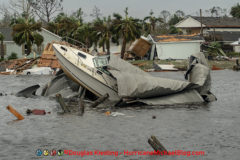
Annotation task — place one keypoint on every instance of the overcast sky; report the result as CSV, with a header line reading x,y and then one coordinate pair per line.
x,y
141,8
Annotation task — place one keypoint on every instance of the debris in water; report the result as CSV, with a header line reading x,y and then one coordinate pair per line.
x,y
114,114
99,100
36,112
155,144
62,103
28,92
15,113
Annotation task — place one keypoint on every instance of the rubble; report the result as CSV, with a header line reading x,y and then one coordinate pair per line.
x,y
28,92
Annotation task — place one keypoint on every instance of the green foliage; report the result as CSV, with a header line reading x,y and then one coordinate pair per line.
x,y
150,22
13,56
127,28
25,32
1,37
174,20
2,49
174,30
103,31
214,48
233,54
235,11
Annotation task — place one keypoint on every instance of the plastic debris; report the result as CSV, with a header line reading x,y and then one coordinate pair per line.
x,y
15,113
36,112
114,114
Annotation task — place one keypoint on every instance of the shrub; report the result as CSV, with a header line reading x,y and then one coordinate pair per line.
x,y
13,56
213,49
233,54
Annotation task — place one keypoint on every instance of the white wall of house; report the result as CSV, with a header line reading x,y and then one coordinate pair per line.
x,y
236,48
12,47
49,37
225,29
177,50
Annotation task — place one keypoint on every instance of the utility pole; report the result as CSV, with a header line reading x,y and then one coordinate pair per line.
x,y
201,31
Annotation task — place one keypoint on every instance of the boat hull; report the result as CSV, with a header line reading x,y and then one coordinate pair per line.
x,y
84,79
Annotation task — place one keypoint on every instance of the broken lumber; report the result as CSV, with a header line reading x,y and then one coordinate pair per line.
x,y
99,100
81,102
155,144
62,103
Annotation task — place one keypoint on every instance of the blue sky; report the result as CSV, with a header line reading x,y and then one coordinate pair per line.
x,y
141,8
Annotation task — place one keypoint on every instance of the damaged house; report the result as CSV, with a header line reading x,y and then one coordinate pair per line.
x,y
11,47
225,30
174,46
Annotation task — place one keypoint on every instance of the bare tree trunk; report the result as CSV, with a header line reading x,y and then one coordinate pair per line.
x,y
2,50
103,47
124,43
108,46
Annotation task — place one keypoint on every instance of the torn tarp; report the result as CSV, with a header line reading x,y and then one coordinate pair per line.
x,y
136,84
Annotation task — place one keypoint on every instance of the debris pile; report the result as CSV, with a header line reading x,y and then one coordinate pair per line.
x,y
17,66
48,58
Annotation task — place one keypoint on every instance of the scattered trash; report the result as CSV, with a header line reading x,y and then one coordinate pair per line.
x,y
62,103
14,112
153,117
28,92
114,114
38,71
155,144
216,68
36,112
237,66
164,67
82,92
99,100
108,113
140,47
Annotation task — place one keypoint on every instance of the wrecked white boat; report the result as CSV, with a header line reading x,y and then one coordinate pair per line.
x,y
87,70
122,80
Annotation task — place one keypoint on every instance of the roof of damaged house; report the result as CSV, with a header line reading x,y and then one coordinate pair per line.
x,y
212,22
224,36
7,33
177,38
219,21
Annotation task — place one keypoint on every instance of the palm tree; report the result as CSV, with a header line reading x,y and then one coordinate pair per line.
x,y
2,46
103,31
84,33
128,29
150,26
25,32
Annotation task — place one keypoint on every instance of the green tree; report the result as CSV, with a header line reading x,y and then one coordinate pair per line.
x,y
25,33
174,20
2,46
235,11
85,34
103,29
79,15
151,22
127,28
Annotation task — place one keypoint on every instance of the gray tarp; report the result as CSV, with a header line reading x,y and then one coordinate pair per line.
x,y
137,84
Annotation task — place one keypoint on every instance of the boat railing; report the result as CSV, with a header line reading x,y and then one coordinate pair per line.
x,y
76,42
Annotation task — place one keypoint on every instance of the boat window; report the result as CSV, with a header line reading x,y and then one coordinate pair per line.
x,y
63,48
100,61
82,55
